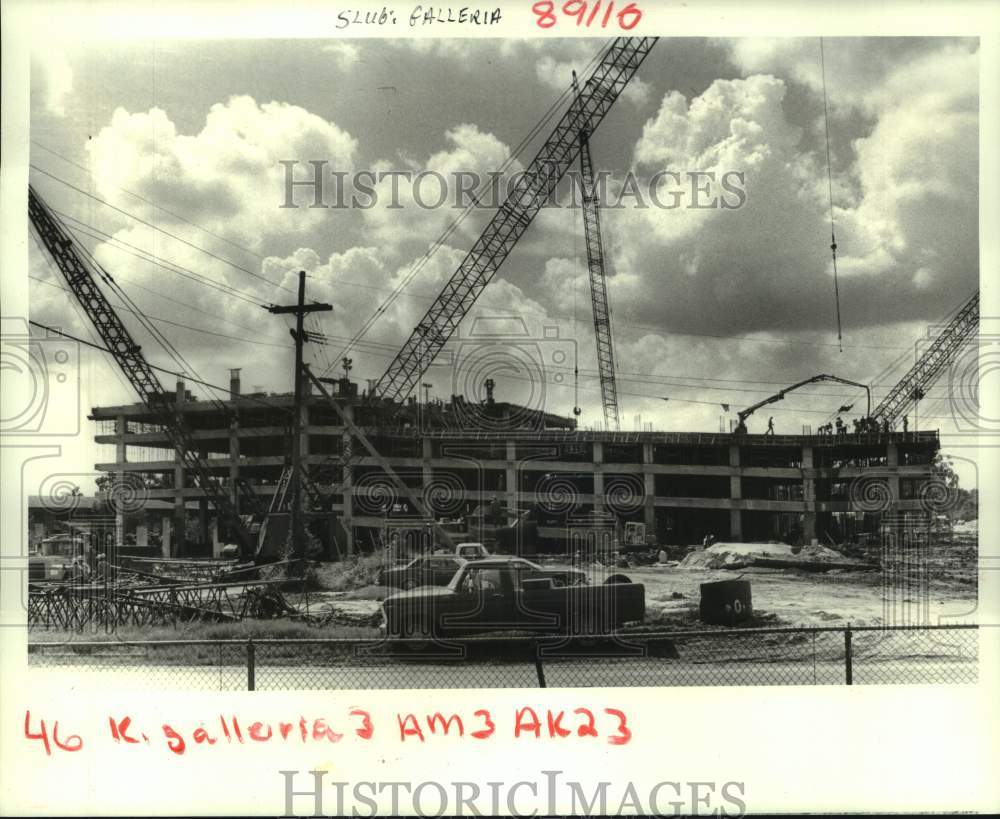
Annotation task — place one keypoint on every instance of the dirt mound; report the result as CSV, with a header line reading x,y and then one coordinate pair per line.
x,y
741,555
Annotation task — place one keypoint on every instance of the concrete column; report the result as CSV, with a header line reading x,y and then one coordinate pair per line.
x,y
649,490
892,459
808,496
510,484
203,533
598,476
177,542
234,461
426,470
735,495
165,535
121,456
347,517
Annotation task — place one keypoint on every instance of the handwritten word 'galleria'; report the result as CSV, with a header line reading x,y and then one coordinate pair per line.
x,y
420,16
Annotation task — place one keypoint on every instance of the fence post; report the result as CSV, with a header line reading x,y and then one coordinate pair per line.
x,y
539,670
251,664
848,662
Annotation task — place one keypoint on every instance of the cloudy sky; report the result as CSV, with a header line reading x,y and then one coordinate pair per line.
x,y
183,141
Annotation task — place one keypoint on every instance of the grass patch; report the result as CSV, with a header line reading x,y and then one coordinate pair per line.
x,y
356,572
243,630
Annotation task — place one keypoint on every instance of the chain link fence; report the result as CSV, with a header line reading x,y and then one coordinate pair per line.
x,y
786,656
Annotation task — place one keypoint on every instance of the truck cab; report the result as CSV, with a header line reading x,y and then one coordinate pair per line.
x,y
471,551
511,593
54,558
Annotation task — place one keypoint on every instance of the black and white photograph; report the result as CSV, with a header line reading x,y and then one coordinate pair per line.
x,y
411,357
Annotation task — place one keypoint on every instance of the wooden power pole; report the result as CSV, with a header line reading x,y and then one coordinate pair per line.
x,y
299,310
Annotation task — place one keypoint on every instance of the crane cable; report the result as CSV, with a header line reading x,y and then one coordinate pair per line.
x,y
577,411
829,179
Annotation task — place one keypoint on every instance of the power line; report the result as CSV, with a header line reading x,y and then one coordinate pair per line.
x,y
157,228
147,256
183,375
149,202
163,320
439,242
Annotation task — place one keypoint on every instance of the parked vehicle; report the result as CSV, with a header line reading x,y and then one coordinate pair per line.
x,y
426,570
59,557
510,593
471,551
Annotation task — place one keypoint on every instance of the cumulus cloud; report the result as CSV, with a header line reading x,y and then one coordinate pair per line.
x,y
227,177
556,66
906,210
425,204
345,54
905,173
55,75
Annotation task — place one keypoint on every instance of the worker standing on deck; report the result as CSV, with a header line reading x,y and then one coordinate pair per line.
x,y
770,426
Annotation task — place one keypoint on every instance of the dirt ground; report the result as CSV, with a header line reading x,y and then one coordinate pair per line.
x,y
348,606
781,597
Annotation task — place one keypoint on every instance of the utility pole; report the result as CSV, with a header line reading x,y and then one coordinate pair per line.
x,y
299,310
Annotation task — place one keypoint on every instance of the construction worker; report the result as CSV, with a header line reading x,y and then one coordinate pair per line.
x,y
906,423
841,426
770,426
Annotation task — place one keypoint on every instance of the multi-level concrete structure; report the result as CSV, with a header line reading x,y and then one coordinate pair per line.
x,y
456,456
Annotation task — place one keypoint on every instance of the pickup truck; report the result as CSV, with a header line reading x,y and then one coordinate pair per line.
x,y
471,551
426,570
513,594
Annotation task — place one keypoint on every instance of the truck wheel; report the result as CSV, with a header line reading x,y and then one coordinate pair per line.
x,y
421,638
618,578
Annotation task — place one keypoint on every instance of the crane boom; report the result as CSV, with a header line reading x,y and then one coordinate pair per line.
x,y
941,352
617,67
128,355
778,396
598,285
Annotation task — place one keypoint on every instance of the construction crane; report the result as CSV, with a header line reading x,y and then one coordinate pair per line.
x,y
618,65
80,277
741,427
598,282
942,351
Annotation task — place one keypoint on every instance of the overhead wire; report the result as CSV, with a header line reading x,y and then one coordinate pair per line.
x,y
229,290
150,202
829,178
94,345
172,322
155,227
113,242
132,307
419,265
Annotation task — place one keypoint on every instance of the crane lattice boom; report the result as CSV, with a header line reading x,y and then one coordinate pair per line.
x,y
598,286
128,355
941,352
618,66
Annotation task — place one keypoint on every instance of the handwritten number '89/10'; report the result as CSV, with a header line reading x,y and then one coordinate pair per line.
x,y
587,14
